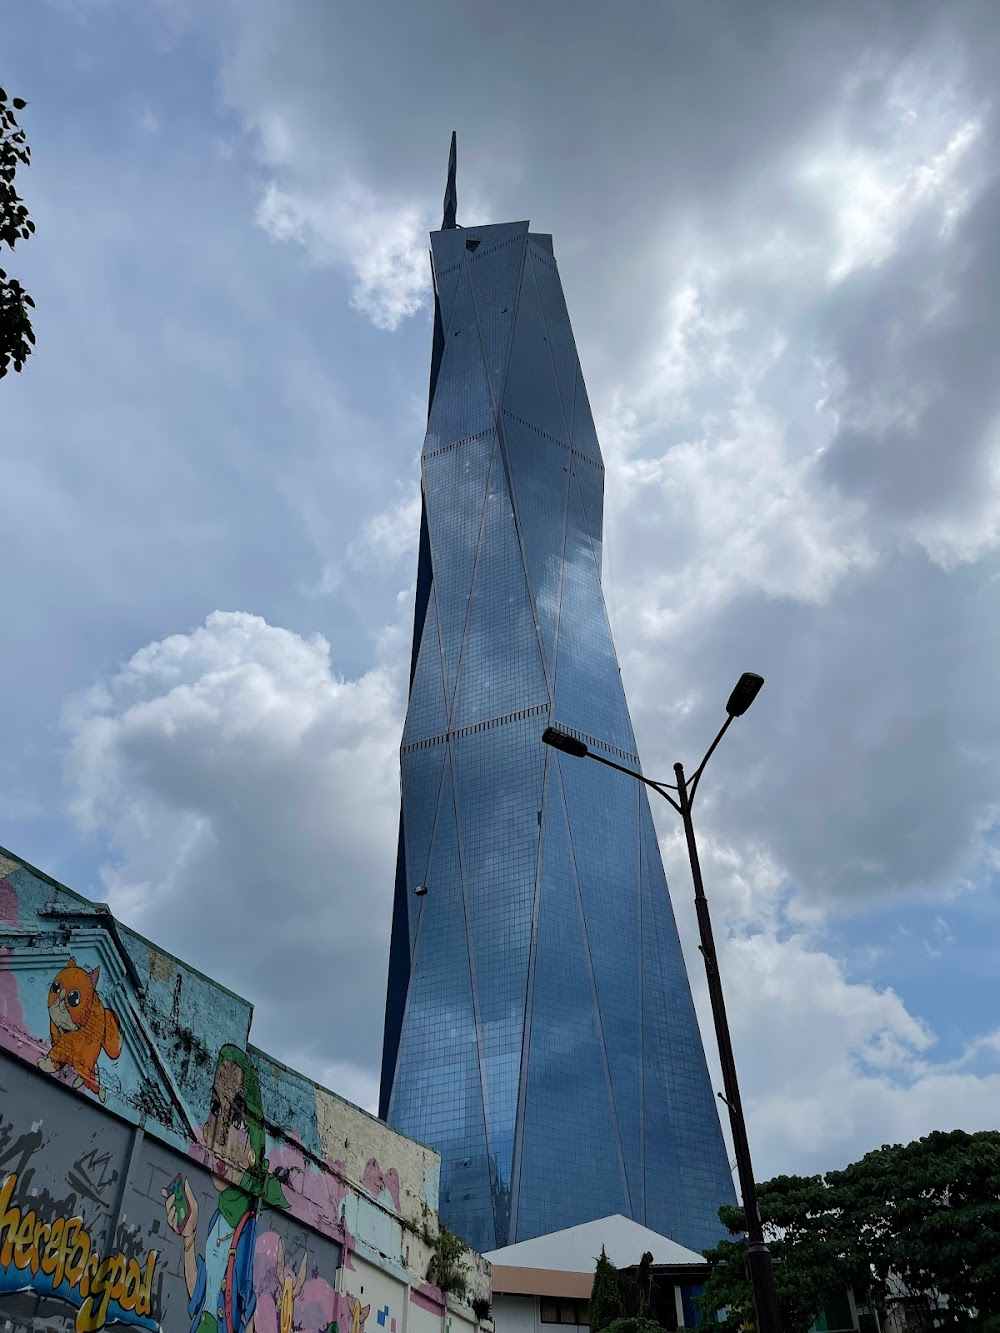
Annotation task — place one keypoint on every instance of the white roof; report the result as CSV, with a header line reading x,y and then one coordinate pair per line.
x,y
576,1249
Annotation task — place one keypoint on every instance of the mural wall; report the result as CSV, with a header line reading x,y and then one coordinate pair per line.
x,y
159,1172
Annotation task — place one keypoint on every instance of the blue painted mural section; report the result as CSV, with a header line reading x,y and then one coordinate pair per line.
x,y
158,1171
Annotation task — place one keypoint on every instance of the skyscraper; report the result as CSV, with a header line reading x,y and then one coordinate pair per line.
x,y
539,1027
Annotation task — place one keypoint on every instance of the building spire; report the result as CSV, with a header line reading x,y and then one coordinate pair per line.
x,y
451,190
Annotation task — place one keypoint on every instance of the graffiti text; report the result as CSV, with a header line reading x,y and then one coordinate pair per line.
x,y
57,1257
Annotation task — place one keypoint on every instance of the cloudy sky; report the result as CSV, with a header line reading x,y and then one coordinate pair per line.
x,y
778,226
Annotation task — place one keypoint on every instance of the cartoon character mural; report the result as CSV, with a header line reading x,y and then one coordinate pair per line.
x,y
220,1280
359,1313
80,1028
294,1294
138,1219
290,1286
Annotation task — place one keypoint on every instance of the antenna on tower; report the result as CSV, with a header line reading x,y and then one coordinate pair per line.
x,y
451,189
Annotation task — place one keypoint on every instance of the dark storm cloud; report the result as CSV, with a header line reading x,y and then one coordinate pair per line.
x,y
614,127
869,762
917,347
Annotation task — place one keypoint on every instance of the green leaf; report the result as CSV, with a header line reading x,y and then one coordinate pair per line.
x,y
19,104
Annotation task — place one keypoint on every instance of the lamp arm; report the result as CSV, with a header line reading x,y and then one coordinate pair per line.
x,y
693,785
660,787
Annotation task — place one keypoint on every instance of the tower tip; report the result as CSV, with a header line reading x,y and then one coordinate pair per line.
x,y
451,189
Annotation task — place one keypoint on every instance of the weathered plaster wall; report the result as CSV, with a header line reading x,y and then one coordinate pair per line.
x,y
223,1170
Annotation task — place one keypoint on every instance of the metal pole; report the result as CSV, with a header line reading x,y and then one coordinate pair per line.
x,y
758,1255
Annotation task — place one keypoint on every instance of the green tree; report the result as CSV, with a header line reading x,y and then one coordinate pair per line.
x,y
605,1296
928,1217
16,335
906,1219
813,1254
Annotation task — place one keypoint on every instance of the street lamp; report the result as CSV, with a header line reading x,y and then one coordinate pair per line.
x,y
758,1255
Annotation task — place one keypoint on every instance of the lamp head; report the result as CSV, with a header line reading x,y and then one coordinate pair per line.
x,y
562,740
744,692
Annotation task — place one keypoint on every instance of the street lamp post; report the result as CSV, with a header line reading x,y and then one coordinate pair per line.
x,y
758,1255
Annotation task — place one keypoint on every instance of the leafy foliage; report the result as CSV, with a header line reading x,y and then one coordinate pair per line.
x,y
813,1254
928,1215
447,1269
632,1323
16,335
606,1304
482,1307
903,1222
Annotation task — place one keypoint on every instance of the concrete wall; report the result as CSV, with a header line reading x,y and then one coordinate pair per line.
x,y
151,1158
516,1314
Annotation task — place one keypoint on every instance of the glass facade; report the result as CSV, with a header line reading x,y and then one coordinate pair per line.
x,y
539,1026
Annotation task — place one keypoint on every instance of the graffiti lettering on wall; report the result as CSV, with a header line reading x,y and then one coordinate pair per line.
x,y
155,1175
56,1257
100,1228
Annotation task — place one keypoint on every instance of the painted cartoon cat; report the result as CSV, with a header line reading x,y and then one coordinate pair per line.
x,y
80,1027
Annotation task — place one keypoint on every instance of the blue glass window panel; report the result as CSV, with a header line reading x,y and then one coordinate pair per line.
x,y
422,771
455,242
437,1092
560,332
495,273
448,281
502,1072
530,390
501,666
462,404
448,258
603,810
584,433
539,470
541,239
589,693
590,479
687,1177
498,776
570,1169
455,485
447,247
426,714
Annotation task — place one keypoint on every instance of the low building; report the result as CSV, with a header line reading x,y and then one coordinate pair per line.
x,y
158,1171
547,1280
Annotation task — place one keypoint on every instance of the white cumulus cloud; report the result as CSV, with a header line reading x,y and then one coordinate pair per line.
x,y
383,244
248,796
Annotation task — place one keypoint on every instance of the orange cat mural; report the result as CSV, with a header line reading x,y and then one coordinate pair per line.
x,y
80,1027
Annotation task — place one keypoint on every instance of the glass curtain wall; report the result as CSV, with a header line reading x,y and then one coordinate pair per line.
x,y
539,1025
